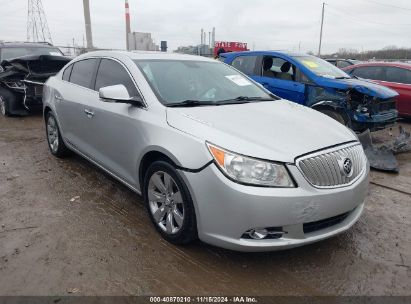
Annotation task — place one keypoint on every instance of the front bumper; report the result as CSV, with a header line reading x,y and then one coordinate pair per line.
x,y
226,210
376,121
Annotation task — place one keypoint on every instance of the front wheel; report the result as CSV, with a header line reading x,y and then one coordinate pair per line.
x,y
335,115
55,142
169,203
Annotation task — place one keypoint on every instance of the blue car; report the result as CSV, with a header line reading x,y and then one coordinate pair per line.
x,y
313,82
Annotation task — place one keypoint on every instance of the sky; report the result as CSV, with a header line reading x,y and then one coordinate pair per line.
x,y
263,24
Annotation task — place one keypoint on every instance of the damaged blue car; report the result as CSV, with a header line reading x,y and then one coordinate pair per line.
x,y
313,82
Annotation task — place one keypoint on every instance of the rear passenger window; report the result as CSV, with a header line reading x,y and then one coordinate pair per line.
x,y
82,72
245,64
394,74
67,72
369,72
112,73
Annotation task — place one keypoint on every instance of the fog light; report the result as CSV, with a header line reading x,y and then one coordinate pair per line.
x,y
258,234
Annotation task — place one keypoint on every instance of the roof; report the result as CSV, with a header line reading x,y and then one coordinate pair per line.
x,y
15,44
136,55
380,63
274,52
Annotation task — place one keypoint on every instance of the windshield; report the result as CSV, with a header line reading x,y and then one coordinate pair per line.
x,y
15,52
213,83
321,67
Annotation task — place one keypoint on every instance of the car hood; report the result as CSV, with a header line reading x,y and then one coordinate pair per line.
x,y
361,85
42,66
278,130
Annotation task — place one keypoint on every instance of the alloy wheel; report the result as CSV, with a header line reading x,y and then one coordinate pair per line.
x,y
166,202
52,134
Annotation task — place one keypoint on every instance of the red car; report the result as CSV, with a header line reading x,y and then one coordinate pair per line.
x,y
396,76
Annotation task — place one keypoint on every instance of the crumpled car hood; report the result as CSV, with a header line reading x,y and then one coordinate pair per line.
x,y
278,130
37,66
361,85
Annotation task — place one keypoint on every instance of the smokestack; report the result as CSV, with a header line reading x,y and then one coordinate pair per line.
x,y
213,38
128,30
87,19
202,36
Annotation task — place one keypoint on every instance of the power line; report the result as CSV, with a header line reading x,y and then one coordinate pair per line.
x,y
389,5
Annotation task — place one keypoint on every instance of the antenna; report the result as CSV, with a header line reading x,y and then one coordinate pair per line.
x,y
37,27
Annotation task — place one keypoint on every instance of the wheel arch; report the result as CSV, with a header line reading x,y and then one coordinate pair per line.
x,y
332,106
148,158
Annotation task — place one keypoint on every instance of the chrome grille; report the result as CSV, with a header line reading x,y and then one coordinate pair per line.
x,y
324,169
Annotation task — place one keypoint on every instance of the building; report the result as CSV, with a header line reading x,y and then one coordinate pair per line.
x,y
201,49
142,42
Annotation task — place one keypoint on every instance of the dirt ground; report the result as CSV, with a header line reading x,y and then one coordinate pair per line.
x,y
68,228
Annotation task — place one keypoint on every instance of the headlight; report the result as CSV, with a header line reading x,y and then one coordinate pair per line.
x,y
249,170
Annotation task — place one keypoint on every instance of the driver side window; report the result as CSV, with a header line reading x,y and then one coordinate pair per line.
x,y
274,67
112,73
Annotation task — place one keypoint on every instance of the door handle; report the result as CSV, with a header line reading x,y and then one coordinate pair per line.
x,y
89,113
58,97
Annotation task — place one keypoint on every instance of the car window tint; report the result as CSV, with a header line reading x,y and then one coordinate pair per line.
x,y
82,72
245,64
369,72
67,72
394,74
112,73
343,64
274,67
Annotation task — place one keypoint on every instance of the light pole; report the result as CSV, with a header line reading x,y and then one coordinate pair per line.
x,y
321,31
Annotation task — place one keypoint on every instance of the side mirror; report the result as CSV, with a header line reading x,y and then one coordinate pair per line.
x,y
118,93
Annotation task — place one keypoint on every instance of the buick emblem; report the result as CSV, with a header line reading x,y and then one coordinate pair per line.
x,y
346,167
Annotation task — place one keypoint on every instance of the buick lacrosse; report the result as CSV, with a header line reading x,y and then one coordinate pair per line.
x,y
215,155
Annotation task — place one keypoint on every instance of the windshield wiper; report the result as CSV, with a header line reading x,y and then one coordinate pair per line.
x,y
243,99
343,77
190,103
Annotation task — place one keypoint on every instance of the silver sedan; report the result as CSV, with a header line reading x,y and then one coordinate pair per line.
x,y
215,155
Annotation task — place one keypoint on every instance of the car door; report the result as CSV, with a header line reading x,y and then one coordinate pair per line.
x,y
72,98
115,128
279,76
399,79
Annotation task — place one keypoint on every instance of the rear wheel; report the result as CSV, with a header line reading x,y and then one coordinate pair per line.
x,y
55,142
4,107
169,203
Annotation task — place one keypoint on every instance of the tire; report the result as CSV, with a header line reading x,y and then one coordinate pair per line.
x,y
170,208
4,107
335,115
54,140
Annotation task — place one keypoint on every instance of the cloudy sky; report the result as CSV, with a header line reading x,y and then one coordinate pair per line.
x,y
263,24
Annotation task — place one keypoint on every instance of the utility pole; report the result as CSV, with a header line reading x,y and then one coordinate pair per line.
x,y
128,29
321,32
87,19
